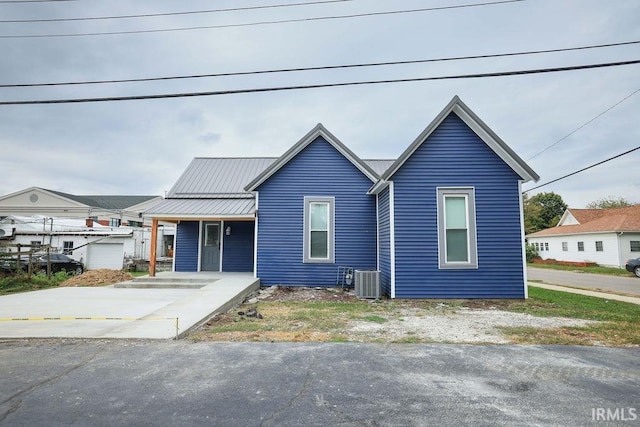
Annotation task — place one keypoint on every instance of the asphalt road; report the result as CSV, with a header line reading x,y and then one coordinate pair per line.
x,y
102,383
628,285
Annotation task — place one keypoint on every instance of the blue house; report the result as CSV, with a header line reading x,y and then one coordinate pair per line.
x,y
444,220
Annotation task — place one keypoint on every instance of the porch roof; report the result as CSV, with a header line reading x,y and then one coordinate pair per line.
x,y
215,208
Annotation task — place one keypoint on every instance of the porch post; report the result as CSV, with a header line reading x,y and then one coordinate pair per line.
x,y
152,249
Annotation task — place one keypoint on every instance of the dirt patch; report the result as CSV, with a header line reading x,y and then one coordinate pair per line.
x,y
300,294
283,314
100,277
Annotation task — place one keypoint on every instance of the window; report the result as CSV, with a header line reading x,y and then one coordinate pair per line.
x,y
599,247
35,245
565,246
546,246
457,247
114,222
67,247
580,246
319,229
135,223
635,245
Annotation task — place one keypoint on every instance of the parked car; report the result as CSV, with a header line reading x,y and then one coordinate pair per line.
x,y
59,262
633,265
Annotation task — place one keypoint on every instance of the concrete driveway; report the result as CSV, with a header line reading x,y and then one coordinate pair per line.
x,y
627,285
177,383
109,312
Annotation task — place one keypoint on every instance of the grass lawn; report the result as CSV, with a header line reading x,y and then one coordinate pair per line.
x,y
597,269
25,283
618,322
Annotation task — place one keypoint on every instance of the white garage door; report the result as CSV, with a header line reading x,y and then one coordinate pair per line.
x,y
105,255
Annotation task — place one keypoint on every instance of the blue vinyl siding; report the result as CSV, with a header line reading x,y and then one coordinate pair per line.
x,y
384,241
454,156
318,170
237,254
186,253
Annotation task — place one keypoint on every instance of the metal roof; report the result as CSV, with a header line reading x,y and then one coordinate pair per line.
x,y
218,177
379,166
105,202
226,207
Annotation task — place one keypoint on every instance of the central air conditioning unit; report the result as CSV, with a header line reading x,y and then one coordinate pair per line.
x,y
367,284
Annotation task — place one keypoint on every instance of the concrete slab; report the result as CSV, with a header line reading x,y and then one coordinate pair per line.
x,y
108,312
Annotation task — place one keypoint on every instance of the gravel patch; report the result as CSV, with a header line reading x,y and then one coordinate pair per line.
x,y
457,326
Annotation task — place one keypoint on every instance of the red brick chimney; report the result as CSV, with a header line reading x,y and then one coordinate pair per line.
x,y
89,222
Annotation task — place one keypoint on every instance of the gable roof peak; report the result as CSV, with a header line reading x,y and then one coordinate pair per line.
x,y
312,135
480,128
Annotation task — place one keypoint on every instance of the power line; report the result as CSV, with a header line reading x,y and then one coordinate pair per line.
x,y
320,85
281,21
190,12
583,125
33,1
326,67
583,169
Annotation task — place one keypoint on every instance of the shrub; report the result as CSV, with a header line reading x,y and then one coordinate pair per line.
x,y
531,253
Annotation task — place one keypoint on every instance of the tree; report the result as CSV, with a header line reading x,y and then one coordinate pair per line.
x,y
542,211
609,202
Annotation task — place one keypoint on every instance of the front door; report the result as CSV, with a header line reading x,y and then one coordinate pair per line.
x,y
211,247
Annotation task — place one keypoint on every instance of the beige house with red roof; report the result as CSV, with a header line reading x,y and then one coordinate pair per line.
x,y
605,236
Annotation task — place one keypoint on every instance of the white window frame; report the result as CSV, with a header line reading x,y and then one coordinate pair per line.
x,y
65,249
599,246
565,246
330,202
472,243
581,246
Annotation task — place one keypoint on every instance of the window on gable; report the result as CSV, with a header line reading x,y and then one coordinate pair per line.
x,y
599,246
319,225
634,245
580,246
457,247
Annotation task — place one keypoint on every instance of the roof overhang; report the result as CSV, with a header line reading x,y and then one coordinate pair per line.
x,y
476,125
226,208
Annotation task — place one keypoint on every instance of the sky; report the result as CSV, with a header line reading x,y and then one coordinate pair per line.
x,y
141,147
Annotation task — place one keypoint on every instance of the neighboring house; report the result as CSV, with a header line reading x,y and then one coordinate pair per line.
x,y
87,241
444,220
112,211
605,236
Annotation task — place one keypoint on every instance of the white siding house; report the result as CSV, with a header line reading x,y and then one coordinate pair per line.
x,y
607,237
95,245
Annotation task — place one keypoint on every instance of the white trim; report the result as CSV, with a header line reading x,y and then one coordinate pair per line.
x,y
200,237
255,241
331,229
472,231
524,251
377,235
392,238
221,240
